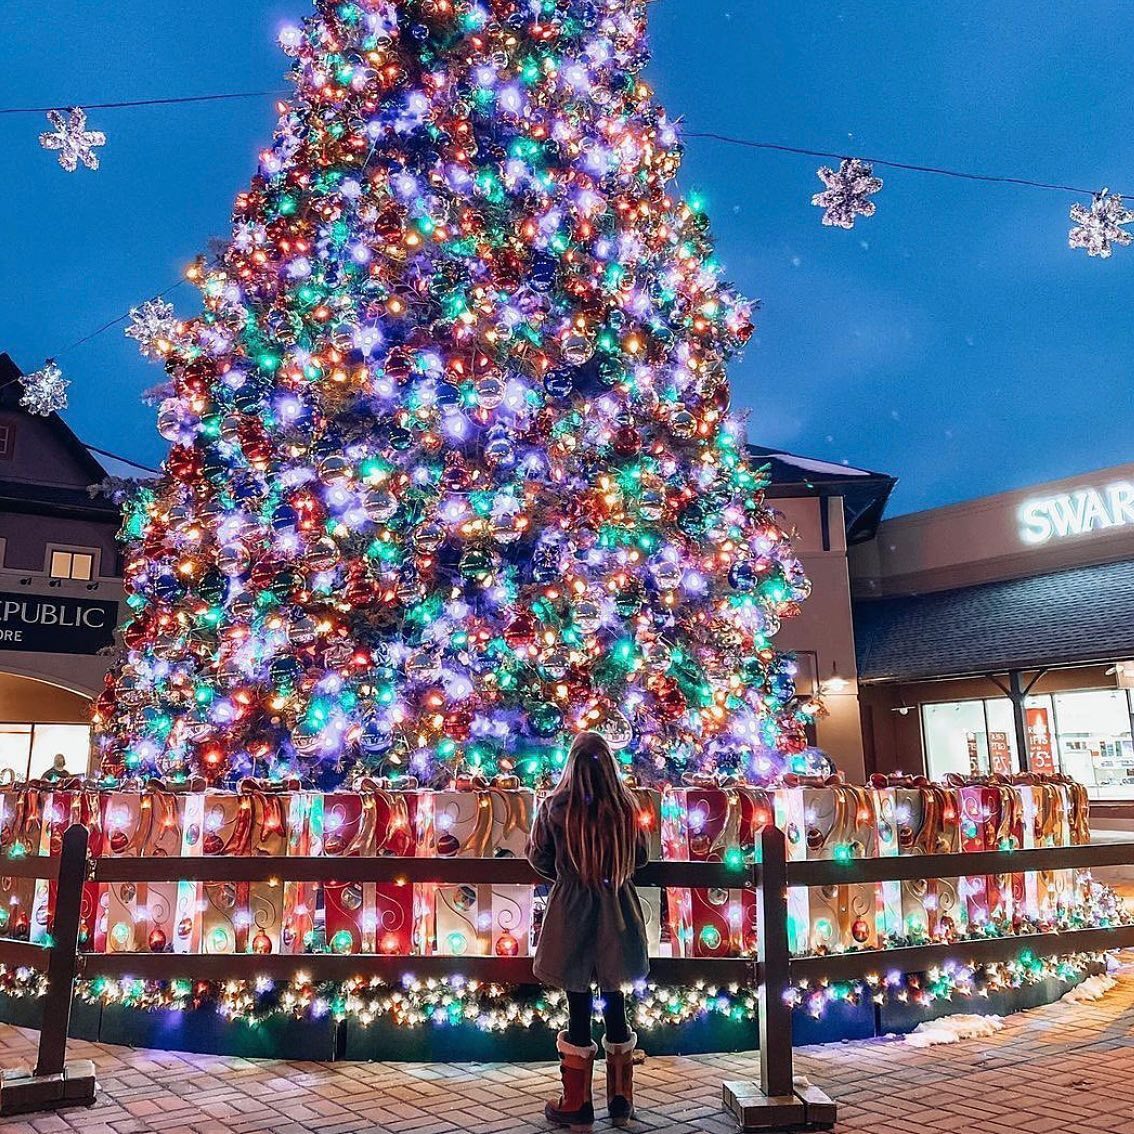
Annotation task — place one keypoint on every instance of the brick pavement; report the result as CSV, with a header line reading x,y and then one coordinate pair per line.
x,y
1066,1068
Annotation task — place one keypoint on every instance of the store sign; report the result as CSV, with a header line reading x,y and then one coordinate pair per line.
x,y
1041,755
56,625
1077,513
1000,754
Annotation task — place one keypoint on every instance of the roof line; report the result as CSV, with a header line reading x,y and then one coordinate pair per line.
x,y
118,457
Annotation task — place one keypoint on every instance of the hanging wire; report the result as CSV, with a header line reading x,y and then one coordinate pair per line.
x,y
727,139
146,102
118,457
753,144
112,323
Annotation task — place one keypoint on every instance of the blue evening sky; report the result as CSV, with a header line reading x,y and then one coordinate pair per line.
x,y
953,340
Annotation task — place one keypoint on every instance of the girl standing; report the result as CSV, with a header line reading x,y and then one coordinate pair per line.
x,y
587,840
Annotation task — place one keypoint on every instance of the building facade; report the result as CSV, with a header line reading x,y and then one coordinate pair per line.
x,y
60,585
997,635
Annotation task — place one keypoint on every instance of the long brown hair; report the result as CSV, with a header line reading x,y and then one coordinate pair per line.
x,y
600,825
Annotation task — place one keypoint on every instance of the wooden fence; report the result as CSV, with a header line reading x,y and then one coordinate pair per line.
x,y
776,1102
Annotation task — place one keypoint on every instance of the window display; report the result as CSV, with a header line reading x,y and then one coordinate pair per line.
x,y
28,751
1083,734
1093,730
956,738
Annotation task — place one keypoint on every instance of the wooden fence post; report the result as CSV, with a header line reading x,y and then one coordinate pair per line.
x,y
57,1083
776,1102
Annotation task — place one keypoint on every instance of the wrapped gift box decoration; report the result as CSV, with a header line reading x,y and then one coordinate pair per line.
x,y
268,837
708,821
1077,804
142,916
716,917
886,846
61,807
349,831
927,815
989,820
226,915
650,898
461,921
649,816
377,820
478,819
152,824
1047,815
301,899
403,827
840,825
790,819
21,828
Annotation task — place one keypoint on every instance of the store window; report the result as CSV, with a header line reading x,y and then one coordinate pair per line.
x,y
955,738
1085,734
970,738
15,749
72,565
28,751
1094,740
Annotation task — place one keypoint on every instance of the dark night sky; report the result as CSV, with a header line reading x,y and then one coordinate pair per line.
x,y
953,340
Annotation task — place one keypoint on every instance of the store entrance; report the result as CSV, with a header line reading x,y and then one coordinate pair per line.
x,y
38,723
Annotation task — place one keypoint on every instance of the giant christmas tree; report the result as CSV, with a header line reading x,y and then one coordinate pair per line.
x,y
453,471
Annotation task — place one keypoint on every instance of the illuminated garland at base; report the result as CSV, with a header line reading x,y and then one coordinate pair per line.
x,y
454,1001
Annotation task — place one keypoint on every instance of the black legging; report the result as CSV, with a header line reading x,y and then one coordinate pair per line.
x,y
582,1006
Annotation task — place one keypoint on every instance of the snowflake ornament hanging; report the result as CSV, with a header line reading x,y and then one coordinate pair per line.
x,y
45,391
848,192
155,328
72,139
1099,227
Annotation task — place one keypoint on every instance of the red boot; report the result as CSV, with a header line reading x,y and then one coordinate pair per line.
x,y
576,1106
620,1079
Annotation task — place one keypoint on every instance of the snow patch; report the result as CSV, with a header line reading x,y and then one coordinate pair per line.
x,y
953,1029
1093,988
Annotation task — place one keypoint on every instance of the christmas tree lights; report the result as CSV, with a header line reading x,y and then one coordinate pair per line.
x,y
452,468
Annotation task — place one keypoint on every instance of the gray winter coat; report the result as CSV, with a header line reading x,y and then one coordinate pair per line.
x,y
589,933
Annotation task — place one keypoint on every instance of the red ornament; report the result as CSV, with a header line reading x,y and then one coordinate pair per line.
x,y
390,945
627,441
860,931
507,945
521,631
157,941
183,463
261,944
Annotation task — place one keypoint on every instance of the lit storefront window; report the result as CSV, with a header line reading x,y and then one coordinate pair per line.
x,y
15,749
29,750
1093,730
1085,735
956,738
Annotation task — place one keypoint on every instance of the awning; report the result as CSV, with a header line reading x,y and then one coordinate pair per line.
x,y
1076,617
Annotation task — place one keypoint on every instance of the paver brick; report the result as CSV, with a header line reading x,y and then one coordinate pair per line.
x,y
1066,1068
